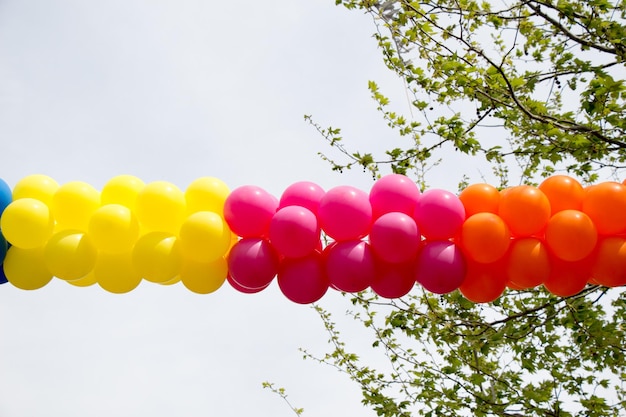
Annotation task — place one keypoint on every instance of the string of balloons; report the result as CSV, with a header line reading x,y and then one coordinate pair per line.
x,y
560,234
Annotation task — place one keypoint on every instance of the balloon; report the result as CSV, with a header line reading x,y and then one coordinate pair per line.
x,y
40,187
157,257
204,237
605,203
73,204
350,265
528,263
480,198
393,192
245,290
25,268
294,231
485,237
439,214
440,267
253,263
248,211
3,277
303,280
609,266
115,273
206,194
122,190
525,209
70,255
394,237
5,195
563,192
304,194
86,281
113,228
204,277
4,246
161,207
393,280
27,223
345,213
567,278
484,283
571,235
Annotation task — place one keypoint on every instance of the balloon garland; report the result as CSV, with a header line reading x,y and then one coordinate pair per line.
x,y
560,235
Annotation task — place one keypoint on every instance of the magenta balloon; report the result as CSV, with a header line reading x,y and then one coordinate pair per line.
x,y
440,267
237,286
305,194
394,192
395,237
303,280
253,262
294,231
439,214
345,213
248,210
393,280
350,265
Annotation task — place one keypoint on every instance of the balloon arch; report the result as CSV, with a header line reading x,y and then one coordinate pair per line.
x,y
560,235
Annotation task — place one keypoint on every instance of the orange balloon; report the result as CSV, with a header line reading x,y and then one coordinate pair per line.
x,y
485,237
480,198
484,283
609,267
563,192
525,209
605,203
567,278
528,263
571,235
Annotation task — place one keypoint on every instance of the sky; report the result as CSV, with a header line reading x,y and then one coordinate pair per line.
x,y
177,90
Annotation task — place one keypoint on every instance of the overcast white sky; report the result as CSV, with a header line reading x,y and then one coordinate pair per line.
x,y
176,90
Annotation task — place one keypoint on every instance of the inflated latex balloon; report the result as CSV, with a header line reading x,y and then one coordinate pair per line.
x,y
303,280
393,280
345,213
245,290
248,210
3,277
567,278
73,204
161,207
204,237
122,190
86,281
115,272
528,263
27,223
304,194
485,237
480,198
253,263
605,203
350,265
440,267
204,277
37,186
393,192
609,265
25,268
484,283
563,192
571,235
6,195
395,237
294,231
4,246
70,255
439,214
157,257
206,194
113,228
525,209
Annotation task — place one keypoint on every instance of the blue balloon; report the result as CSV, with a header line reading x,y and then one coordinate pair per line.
x,y
3,278
6,196
4,247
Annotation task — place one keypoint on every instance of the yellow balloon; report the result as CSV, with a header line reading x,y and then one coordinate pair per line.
x,y
123,190
206,194
27,223
25,268
173,281
70,255
39,187
157,257
161,207
86,281
204,236
115,273
73,204
114,228
204,277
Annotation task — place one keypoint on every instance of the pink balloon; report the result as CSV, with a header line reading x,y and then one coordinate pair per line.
x,y
439,214
305,194
294,231
393,280
248,210
345,213
394,192
303,280
243,289
440,267
349,265
395,237
253,263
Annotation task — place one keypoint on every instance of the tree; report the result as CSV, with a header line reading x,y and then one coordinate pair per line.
x,y
549,76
